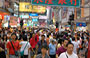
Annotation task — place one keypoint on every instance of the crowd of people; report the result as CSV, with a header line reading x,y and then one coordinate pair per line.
x,y
42,43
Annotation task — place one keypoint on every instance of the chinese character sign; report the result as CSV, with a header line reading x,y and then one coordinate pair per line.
x,y
71,3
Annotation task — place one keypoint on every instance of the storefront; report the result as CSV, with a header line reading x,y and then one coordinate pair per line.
x,y
3,18
13,21
43,21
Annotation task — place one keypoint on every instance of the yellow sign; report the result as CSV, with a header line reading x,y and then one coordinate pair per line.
x,y
39,9
25,7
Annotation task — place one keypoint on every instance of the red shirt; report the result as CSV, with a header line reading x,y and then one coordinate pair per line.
x,y
33,42
11,50
37,37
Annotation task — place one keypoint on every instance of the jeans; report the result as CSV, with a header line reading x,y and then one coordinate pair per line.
x,y
13,56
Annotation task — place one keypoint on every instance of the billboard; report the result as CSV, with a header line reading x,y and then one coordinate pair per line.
x,y
33,14
25,7
67,3
81,24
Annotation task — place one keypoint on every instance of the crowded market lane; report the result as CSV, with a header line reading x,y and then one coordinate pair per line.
x,y
44,28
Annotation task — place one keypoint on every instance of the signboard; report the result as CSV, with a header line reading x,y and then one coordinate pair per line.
x,y
34,20
42,17
81,24
33,14
68,3
25,7
64,13
24,16
39,9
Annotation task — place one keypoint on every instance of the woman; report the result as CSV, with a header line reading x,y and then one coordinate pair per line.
x,y
13,47
25,46
5,42
33,45
2,49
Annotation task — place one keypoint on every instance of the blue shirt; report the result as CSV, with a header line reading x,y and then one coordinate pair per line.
x,y
40,44
52,49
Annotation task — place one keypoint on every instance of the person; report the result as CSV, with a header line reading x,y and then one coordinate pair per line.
x,y
52,49
86,46
33,45
5,42
2,48
37,37
12,46
43,54
69,53
76,46
8,36
47,40
62,48
25,45
40,43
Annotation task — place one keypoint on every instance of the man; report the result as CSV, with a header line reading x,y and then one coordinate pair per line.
x,y
43,54
12,47
76,46
69,53
62,48
52,49
40,43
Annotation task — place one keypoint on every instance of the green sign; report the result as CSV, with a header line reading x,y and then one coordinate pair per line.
x,y
66,3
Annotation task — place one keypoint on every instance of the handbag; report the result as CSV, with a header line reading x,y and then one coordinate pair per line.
x,y
22,52
16,52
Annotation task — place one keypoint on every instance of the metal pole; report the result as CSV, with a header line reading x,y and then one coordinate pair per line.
x,y
89,9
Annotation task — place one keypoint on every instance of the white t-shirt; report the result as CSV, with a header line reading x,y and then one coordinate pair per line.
x,y
63,55
23,43
76,45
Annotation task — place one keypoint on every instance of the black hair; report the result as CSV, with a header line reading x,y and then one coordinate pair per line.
x,y
69,44
43,36
73,38
64,40
47,35
24,37
6,37
15,35
78,38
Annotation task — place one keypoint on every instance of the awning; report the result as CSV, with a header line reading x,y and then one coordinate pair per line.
x,y
2,10
10,10
84,19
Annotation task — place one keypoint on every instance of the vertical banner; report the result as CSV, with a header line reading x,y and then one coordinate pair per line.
x,y
88,49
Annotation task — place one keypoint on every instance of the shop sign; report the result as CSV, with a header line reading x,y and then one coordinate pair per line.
x,y
34,20
24,16
33,14
25,7
34,17
81,24
42,17
6,17
66,3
